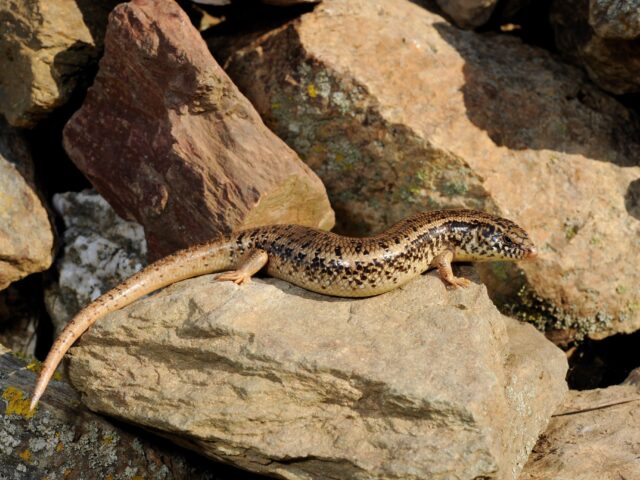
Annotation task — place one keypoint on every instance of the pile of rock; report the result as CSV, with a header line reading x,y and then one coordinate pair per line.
x,y
383,108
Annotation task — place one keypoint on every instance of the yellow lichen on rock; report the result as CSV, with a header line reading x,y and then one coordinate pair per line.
x,y
17,404
25,455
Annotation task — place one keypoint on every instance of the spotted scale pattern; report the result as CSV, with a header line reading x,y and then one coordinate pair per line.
x,y
358,267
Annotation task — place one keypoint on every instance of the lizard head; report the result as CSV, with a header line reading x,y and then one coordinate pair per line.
x,y
489,238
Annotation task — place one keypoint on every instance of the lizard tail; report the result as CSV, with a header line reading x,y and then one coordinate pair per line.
x,y
199,260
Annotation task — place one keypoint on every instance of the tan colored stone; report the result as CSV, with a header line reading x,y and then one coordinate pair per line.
x,y
418,383
594,436
47,50
26,236
422,115
603,37
168,140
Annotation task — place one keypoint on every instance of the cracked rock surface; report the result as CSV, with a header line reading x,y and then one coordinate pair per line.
x,y
418,383
595,435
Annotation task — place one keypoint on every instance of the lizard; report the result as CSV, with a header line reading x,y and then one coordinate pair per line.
x,y
318,261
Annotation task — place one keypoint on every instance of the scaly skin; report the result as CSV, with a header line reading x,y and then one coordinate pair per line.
x,y
319,261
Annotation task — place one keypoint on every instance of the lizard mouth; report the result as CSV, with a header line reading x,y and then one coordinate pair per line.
x,y
531,253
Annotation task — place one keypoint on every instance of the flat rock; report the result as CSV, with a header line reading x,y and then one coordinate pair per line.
x,y
603,37
100,250
48,50
595,435
417,383
168,140
65,440
26,235
422,115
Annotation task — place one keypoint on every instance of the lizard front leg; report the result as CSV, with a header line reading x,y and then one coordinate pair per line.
x,y
248,266
443,263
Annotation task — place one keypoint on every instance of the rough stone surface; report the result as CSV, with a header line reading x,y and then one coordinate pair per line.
x,y
100,251
47,50
615,18
64,440
441,119
169,141
285,382
468,13
602,36
26,235
594,436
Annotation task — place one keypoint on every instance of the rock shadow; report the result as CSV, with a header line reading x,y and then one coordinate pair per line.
x,y
80,59
526,98
632,199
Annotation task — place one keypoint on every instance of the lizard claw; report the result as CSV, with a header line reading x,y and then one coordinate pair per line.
x,y
236,276
456,282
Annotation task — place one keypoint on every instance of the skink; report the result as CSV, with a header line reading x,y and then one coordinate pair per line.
x,y
319,261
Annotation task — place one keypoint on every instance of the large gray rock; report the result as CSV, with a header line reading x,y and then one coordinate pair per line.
x,y
26,235
594,436
419,383
100,250
48,48
423,115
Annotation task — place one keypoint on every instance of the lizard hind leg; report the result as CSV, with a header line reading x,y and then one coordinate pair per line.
x,y
249,265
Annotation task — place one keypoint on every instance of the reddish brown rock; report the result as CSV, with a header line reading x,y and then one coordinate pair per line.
x,y
26,235
168,140
47,50
602,36
422,115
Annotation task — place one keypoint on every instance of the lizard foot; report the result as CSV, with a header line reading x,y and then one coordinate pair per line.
x,y
456,282
236,276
